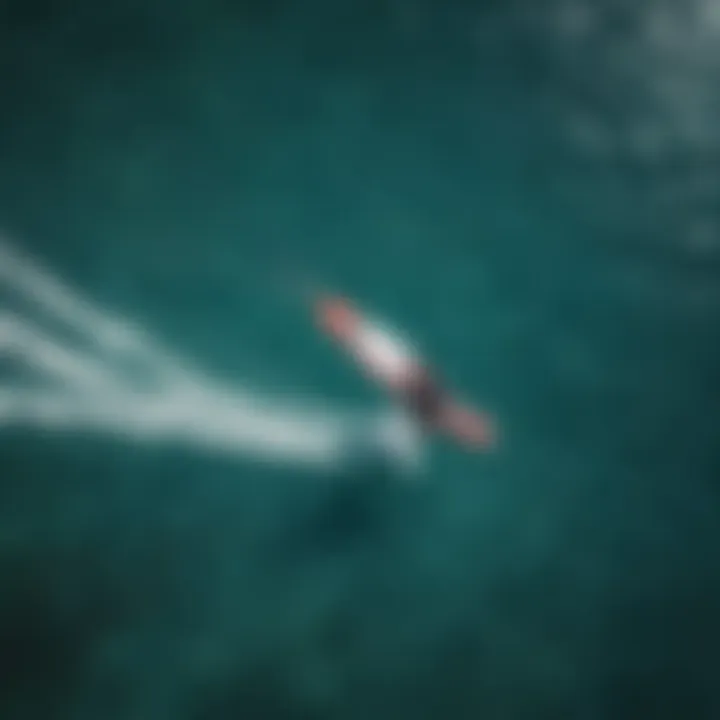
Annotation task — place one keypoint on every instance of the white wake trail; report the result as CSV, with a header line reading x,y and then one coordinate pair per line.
x,y
20,341
168,419
116,337
94,393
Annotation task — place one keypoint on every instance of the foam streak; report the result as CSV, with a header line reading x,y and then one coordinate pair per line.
x,y
92,392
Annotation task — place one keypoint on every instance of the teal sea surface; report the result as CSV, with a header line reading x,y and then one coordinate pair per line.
x,y
532,195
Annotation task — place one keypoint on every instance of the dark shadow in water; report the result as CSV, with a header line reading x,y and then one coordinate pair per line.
x,y
353,512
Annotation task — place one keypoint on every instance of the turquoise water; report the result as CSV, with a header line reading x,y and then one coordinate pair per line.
x,y
174,163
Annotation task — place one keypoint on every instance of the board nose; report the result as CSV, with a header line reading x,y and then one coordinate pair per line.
x,y
336,316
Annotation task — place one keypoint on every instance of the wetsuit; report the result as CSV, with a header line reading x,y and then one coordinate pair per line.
x,y
423,398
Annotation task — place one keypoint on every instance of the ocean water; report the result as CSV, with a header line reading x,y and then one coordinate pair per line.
x,y
530,193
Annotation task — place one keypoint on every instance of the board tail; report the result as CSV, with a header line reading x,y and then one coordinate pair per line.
x,y
471,428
